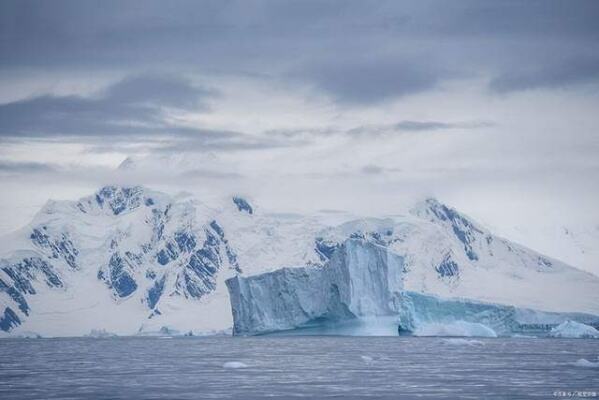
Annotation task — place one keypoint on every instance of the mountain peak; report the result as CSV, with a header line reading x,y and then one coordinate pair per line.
x,y
243,205
463,228
120,198
428,207
432,208
127,164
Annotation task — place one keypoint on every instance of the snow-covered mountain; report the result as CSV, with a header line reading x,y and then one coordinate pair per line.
x,y
131,260
447,254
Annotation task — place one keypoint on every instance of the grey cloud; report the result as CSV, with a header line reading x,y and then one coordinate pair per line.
x,y
233,142
357,52
193,141
18,167
417,126
160,90
518,17
134,106
301,136
555,75
372,169
422,125
209,174
132,113
376,79
435,125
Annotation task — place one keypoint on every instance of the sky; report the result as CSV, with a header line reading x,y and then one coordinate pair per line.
x,y
360,106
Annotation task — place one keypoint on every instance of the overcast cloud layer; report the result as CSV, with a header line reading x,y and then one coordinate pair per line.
x,y
306,105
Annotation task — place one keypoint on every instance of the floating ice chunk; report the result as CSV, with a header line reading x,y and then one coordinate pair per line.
x,y
571,329
234,365
100,333
584,363
21,335
455,328
463,342
367,359
162,332
520,336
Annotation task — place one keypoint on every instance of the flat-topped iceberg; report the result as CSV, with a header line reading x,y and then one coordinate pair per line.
x,y
360,280
362,284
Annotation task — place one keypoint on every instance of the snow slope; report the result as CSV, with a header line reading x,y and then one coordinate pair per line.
x,y
448,255
575,243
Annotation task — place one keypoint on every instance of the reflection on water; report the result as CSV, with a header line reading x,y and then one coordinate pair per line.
x,y
283,366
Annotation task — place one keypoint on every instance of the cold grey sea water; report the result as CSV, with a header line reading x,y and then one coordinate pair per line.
x,y
285,367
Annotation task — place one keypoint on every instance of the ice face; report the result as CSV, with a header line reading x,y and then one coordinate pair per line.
x,y
363,281
285,299
418,310
572,329
367,277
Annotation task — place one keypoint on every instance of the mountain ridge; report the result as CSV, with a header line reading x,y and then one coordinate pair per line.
x,y
129,260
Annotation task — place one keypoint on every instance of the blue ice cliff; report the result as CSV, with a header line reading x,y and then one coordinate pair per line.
x,y
364,282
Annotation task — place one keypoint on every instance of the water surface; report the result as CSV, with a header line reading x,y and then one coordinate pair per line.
x,y
310,367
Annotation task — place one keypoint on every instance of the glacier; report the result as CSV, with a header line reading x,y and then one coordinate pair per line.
x,y
363,283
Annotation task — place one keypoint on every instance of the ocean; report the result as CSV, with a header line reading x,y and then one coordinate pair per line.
x,y
311,367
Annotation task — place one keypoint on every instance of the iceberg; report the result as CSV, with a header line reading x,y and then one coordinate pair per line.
x,y
361,280
234,365
584,363
572,329
100,334
367,359
362,284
